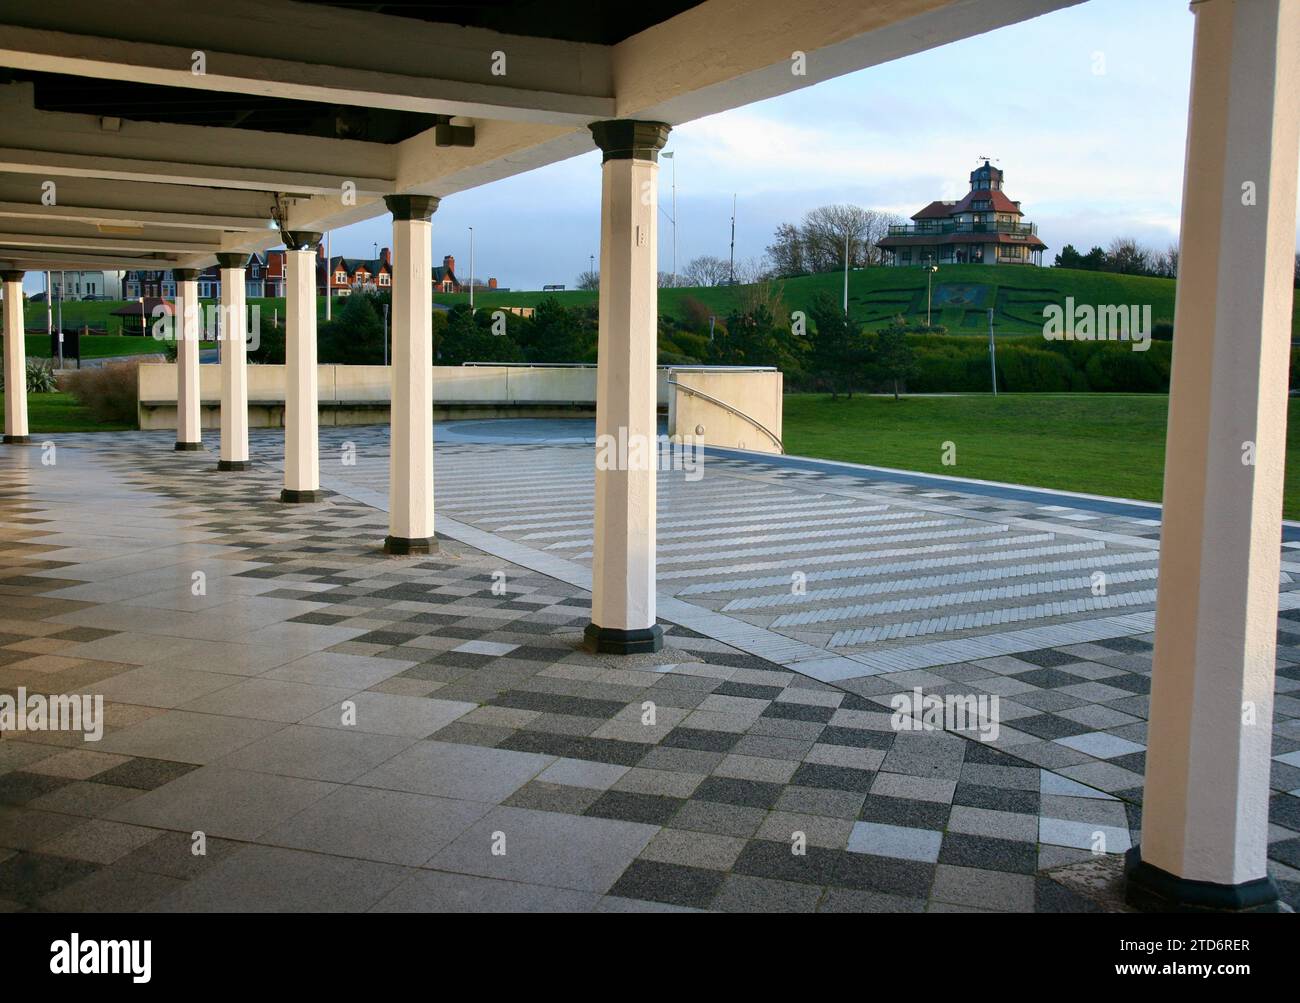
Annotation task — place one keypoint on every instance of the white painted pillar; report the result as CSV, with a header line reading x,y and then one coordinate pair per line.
x,y
189,430
234,364
410,472
1205,812
301,420
623,565
15,359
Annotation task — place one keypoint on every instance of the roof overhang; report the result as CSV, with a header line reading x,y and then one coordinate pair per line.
x,y
85,183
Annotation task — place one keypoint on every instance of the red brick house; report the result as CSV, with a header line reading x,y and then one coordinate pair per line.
x,y
348,275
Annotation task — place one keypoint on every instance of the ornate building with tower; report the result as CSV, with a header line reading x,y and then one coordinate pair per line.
x,y
984,228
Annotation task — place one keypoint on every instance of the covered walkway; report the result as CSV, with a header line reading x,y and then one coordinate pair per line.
x,y
324,116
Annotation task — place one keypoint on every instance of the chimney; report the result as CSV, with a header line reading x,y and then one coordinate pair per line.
x,y
492,283
449,263
320,251
386,256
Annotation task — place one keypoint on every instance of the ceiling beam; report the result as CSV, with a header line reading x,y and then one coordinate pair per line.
x,y
129,217
74,145
40,261
148,245
319,54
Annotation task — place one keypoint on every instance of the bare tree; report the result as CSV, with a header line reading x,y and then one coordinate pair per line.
x,y
589,280
786,252
706,270
820,241
1127,256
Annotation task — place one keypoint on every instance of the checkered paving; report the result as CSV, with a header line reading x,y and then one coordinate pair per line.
x,y
355,731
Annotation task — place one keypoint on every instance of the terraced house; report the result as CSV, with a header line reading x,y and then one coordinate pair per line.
x,y
984,228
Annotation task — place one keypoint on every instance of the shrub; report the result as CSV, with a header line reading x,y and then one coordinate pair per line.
x,y
40,377
1022,369
109,392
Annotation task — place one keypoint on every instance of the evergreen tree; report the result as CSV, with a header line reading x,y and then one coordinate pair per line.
x,y
837,351
893,359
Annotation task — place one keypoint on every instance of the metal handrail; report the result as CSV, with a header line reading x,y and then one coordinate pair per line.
x,y
732,410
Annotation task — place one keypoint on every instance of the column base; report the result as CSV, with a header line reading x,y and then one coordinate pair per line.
x,y
295,495
615,641
234,464
17,440
188,447
403,546
1152,889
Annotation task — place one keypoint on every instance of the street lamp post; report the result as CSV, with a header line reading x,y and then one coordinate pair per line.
x,y
471,269
846,275
929,274
993,355
329,280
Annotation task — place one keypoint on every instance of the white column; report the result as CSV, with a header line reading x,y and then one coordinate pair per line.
x,y
189,431
410,472
301,422
1205,811
15,359
234,365
623,564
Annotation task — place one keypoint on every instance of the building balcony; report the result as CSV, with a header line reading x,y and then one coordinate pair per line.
x,y
939,228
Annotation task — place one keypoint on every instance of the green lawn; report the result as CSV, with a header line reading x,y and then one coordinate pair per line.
x,y
102,346
59,412
1106,444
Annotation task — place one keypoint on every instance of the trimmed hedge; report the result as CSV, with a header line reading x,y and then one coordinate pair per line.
x,y
1034,365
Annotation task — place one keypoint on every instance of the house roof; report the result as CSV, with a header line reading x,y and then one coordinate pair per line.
x,y
935,210
998,201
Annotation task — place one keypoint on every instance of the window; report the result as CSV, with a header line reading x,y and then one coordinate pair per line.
x,y
905,256
384,278
340,276
981,204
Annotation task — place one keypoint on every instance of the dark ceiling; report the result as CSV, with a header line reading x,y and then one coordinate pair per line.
x,y
187,106
605,22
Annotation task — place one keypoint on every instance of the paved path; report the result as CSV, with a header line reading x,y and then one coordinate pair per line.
x,y
475,712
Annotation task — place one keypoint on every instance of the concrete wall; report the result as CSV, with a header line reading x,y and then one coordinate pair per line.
x,y
358,395
753,394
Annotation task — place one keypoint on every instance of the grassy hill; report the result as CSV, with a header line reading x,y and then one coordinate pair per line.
x,y
962,295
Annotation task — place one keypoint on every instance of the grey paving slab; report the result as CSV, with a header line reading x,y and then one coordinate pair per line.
x,y
274,879
565,851
187,737
452,770
218,801
390,826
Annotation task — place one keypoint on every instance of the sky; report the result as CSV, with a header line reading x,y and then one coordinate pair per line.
x,y
1085,109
